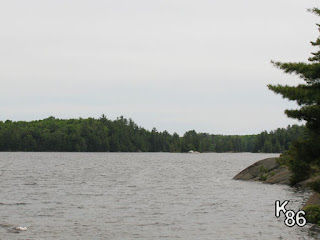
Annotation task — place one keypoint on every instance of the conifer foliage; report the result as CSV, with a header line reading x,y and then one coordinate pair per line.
x,y
124,135
304,156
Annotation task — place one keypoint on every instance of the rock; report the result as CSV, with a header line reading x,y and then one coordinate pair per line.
x,y
12,229
21,228
270,171
256,170
267,170
314,199
191,151
281,176
307,182
316,229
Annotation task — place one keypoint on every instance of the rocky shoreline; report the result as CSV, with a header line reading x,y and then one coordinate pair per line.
x,y
271,172
267,170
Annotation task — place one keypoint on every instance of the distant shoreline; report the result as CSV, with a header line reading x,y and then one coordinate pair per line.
x,y
124,135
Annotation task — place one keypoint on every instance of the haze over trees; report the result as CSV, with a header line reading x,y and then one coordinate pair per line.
x,y
124,135
304,155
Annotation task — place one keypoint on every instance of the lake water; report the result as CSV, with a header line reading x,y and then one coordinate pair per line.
x,y
140,196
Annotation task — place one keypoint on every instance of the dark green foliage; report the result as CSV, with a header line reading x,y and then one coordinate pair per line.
x,y
313,214
263,173
278,140
315,185
122,135
304,155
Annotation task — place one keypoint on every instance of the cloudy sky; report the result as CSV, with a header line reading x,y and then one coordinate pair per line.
x,y
175,65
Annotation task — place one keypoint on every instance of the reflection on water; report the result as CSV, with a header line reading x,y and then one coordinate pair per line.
x,y
140,196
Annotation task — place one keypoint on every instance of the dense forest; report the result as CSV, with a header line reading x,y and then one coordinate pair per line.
x,y
123,135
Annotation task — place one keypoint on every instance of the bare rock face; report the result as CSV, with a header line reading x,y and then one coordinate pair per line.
x,y
308,181
281,176
267,170
314,199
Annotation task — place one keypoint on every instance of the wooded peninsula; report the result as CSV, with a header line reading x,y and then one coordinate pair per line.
x,y
124,135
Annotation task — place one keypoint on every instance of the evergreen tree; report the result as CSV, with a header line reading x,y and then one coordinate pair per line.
x,y
122,135
304,153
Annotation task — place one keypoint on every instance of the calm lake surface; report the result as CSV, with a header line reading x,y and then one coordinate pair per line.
x,y
140,196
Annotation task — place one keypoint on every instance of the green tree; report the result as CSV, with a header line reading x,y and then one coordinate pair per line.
x,y
304,153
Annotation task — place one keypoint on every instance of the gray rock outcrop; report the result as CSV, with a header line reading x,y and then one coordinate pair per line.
x,y
267,170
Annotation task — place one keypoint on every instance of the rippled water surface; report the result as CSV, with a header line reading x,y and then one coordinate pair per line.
x,y
140,196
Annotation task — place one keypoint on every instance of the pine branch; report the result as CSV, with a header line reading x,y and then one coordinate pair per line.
x,y
309,72
302,94
314,10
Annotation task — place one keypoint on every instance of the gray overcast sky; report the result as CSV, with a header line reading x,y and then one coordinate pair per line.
x,y
175,65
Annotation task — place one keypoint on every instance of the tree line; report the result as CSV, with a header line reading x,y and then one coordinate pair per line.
x,y
124,135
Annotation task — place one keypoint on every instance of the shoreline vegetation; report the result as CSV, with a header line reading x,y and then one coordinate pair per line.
x,y
273,171
300,165
124,135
